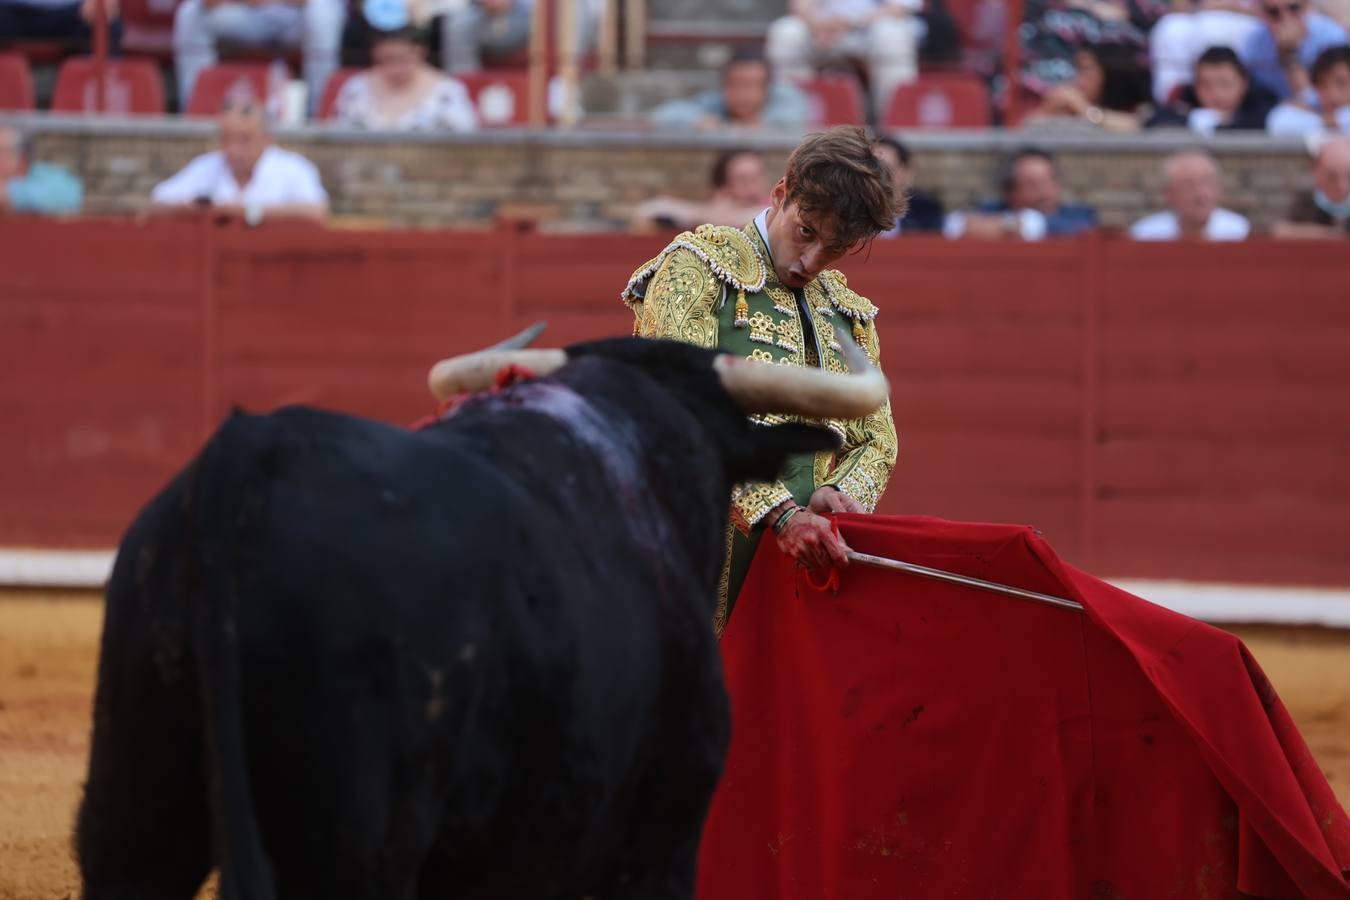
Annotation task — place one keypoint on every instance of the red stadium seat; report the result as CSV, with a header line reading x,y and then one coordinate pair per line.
x,y
16,83
133,87
215,82
147,27
328,103
944,101
836,99
501,97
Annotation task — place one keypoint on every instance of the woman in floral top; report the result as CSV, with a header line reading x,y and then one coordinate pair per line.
x,y
401,91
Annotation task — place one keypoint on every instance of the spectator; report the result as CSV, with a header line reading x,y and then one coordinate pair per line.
x,y
1178,39
1323,212
247,178
498,31
750,97
940,36
313,25
1032,206
1109,89
37,188
70,20
1221,99
1280,54
925,210
1192,192
740,191
1331,82
1053,31
400,91
882,34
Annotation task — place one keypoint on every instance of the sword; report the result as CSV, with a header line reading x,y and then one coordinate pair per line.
x,y
993,587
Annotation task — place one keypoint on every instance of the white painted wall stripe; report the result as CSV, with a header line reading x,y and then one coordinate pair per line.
x,y
32,567
1232,603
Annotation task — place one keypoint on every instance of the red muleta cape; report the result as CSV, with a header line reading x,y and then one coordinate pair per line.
x,y
906,738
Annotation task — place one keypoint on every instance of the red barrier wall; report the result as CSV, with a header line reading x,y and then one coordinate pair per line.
x,y
1158,410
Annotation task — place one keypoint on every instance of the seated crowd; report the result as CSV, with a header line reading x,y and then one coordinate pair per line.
x,y
251,180
1115,66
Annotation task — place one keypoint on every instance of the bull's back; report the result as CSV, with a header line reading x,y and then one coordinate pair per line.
x,y
446,634
444,660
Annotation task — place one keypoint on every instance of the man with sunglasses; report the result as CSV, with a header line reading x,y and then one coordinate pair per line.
x,y
1280,55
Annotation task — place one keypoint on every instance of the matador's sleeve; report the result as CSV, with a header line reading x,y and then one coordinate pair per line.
x,y
679,300
870,444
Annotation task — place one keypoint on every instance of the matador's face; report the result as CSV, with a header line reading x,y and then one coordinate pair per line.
x,y
803,244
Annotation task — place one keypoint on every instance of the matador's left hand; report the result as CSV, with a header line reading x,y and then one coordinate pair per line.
x,y
827,500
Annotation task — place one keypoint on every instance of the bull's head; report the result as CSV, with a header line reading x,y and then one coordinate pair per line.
x,y
756,387
682,409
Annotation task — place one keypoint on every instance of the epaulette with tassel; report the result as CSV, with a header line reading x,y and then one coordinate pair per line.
x,y
730,256
856,307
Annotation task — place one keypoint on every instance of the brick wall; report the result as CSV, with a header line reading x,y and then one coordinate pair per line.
x,y
591,179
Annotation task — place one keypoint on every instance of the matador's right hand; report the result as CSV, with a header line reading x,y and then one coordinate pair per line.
x,y
811,541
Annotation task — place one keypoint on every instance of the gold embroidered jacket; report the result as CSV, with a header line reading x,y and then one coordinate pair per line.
x,y
687,293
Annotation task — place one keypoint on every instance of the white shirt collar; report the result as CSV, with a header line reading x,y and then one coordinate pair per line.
x,y
762,225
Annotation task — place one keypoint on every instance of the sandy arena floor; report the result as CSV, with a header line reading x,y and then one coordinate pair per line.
x,y
48,652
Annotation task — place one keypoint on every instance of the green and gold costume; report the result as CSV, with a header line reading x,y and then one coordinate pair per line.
x,y
716,287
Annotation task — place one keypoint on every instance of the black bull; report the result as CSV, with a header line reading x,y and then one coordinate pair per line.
x,y
343,659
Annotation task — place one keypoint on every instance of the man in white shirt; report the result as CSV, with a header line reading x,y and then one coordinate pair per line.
x,y
247,178
1193,192
882,33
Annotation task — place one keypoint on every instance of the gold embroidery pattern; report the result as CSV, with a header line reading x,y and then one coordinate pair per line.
x,y
835,286
823,464
792,338
870,446
771,419
831,288
785,334
834,360
723,589
679,302
726,252
762,328
750,503
783,301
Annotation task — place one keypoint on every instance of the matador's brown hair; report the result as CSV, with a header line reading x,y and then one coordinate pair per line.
x,y
835,173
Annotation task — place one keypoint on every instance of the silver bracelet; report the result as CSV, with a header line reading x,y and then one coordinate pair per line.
x,y
781,522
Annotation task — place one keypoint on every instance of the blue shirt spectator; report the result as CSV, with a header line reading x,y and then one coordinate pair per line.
x,y
1064,220
39,188
748,98
1290,26
1032,206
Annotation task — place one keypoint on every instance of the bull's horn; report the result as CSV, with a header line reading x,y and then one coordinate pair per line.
x,y
522,340
764,387
475,372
